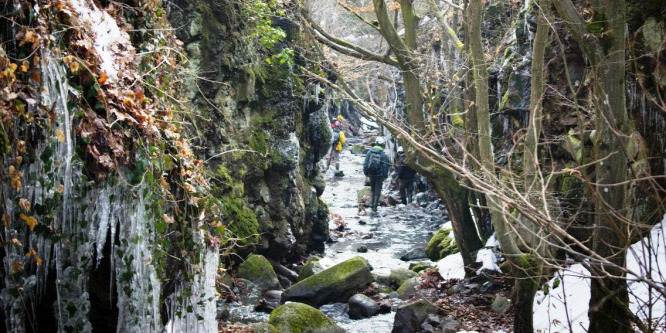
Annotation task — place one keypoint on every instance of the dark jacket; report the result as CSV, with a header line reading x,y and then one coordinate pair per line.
x,y
405,172
384,162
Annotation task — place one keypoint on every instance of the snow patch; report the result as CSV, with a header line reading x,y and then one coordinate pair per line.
x,y
451,267
565,307
109,39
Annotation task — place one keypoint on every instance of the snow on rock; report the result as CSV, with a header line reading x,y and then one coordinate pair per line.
x,y
565,308
488,259
487,256
451,267
110,42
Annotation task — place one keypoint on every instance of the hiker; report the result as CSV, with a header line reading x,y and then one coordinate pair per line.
x,y
338,139
376,167
406,177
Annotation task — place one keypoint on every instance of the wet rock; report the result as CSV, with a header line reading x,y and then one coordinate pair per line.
x,y
361,306
408,288
362,222
259,271
270,302
399,275
414,254
263,328
441,245
500,304
420,266
283,271
368,236
362,249
332,239
449,325
335,284
311,267
298,317
382,276
411,316
384,307
319,183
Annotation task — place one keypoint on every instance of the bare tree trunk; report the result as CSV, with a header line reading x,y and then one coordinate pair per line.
x,y
527,282
610,300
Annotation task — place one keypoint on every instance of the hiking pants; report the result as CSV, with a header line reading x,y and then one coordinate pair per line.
x,y
376,186
406,190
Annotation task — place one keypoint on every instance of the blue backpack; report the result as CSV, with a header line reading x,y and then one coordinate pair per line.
x,y
375,164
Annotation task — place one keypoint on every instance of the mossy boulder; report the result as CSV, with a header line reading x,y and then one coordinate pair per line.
x,y
399,276
420,266
408,288
333,285
311,267
357,149
441,245
259,271
264,328
298,317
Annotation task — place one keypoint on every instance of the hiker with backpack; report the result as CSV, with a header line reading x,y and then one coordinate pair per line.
x,y
406,177
376,167
338,139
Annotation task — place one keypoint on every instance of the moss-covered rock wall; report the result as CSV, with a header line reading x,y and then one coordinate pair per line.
x,y
261,139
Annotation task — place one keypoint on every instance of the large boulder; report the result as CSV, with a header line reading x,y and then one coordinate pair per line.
x,y
263,328
298,317
441,245
259,271
411,316
361,306
408,288
333,285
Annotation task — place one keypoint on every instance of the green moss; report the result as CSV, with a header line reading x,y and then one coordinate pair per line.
x,y
259,270
421,266
298,317
258,142
240,220
441,245
336,273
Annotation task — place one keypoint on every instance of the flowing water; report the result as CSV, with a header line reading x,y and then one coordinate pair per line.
x,y
387,237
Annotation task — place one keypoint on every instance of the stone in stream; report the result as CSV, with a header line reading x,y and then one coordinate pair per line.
x,y
361,306
399,275
411,316
298,317
362,249
414,254
259,271
420,266
270,301
312,266
333,285
263,328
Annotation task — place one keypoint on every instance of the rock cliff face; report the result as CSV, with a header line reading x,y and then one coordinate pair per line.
x,y
127,168
261,137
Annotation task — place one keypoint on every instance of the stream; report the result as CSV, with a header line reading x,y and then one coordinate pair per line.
x,y
387,237
395,231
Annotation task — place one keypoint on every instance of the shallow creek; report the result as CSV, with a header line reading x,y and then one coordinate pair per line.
x,y
387,237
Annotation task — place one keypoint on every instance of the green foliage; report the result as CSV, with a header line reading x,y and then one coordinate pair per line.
x,y
258,14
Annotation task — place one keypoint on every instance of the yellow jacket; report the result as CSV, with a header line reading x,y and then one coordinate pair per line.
x,y
342,140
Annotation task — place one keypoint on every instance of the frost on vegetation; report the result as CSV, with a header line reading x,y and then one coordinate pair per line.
x,y
110,42
565,306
